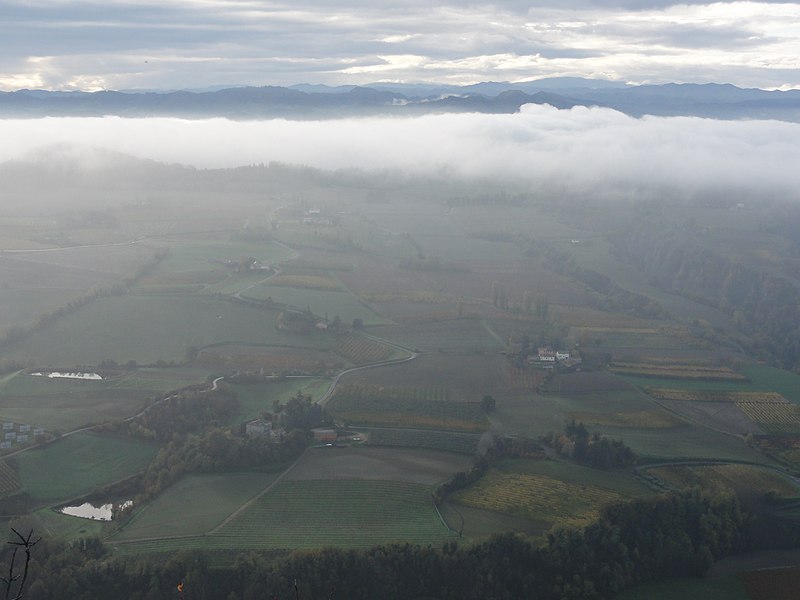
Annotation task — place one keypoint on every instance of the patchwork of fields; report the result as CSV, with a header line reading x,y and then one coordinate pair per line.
x,y
473,302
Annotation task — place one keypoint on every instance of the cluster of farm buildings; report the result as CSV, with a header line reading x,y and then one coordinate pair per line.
x,y
16,433
546,357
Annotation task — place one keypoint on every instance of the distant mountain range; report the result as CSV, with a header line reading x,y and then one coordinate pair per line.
x,y
307,101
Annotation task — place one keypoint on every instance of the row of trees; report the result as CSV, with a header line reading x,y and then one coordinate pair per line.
x,y
632,542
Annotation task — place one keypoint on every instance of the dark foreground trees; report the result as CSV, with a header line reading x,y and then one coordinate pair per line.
x,y
632,542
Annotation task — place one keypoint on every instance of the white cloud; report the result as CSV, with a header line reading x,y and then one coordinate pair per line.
x,y
745,43
583,147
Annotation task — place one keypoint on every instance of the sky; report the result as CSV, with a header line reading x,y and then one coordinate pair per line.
x,y
193,44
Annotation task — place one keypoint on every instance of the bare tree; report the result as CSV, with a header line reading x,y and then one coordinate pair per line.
x,y
26,543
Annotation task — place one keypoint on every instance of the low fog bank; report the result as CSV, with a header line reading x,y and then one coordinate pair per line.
x,y
583,148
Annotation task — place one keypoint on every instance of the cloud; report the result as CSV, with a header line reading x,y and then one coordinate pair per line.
x,y
106,44
583,148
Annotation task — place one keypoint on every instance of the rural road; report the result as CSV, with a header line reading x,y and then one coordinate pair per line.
x,y
328,394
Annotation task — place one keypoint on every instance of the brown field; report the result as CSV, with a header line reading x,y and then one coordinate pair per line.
x,y
523,379
643,419
359,350
473,279
745,479
467,377
772,584
722,416
421,296
590,318
415,466
716,396
677,371
443,334
271,359
313,282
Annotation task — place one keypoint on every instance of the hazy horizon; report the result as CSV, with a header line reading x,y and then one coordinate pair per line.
x,y
587,148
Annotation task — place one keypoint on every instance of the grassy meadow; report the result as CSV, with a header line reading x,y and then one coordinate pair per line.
x,y
76,465
66,404
193,506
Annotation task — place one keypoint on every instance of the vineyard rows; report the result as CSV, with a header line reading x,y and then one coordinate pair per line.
x,y
9,481
380,393
772,416
678,372
722,477
361,351
344,513
716,396
464,443
386,418
643,419
524,379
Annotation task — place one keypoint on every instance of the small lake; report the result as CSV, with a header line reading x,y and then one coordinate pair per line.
x,y
87,510
69,375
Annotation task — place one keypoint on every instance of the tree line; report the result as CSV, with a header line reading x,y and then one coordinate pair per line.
x,y
672,535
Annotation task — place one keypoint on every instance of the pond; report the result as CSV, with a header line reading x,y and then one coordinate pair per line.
x,y
87,510
69,375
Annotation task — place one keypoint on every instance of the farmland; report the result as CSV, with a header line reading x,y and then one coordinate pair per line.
x,y
351,497
360,350
65,404
455,290
678,371
193,506
537,497
9,480
80,463
348,513
322,302
255,399
453,441
165,327
745,479
426,408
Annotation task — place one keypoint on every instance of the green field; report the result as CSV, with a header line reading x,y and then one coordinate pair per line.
x,y
321,302
193,506
344,513
255,399
768,378
66,527
317,513
147,328
65,404
76,465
